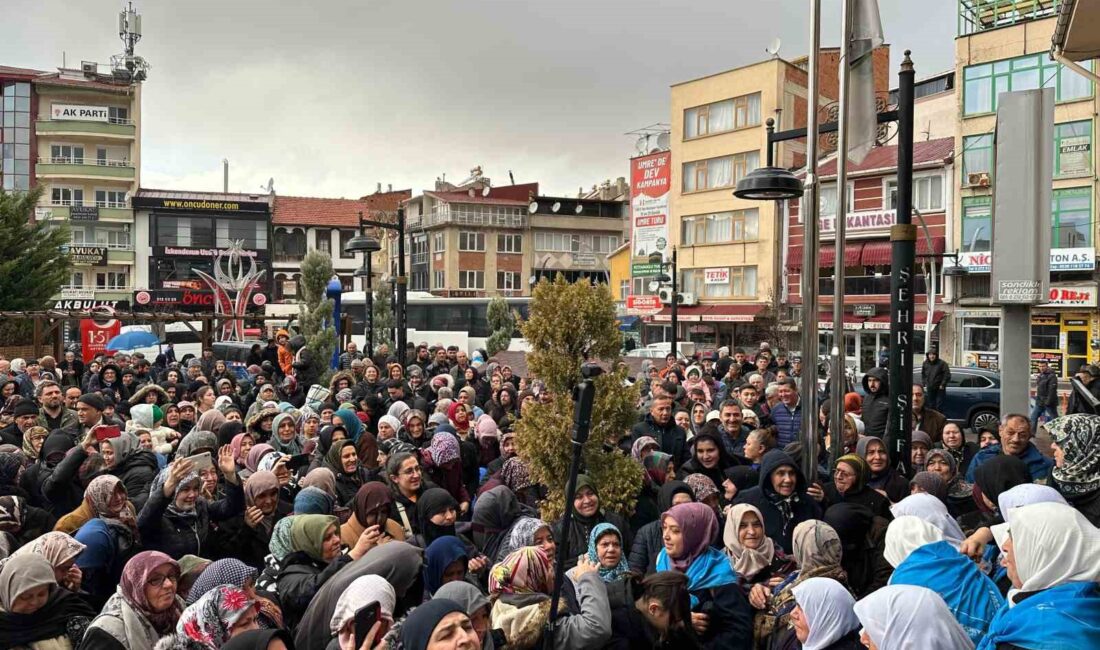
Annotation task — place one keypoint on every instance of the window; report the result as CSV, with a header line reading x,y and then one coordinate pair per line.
x,y
739,225
977,156
112,280
101,236
67,153
1073,149
981,334
110,198
556,242
624,289
101,155
76,280
288,288
67,196
118,115
509,243
252,233
471,241
826,199
928,193
345,237
439,279
720,172
322,240
185,231
507,281
439,242
1071,218
289,244
722,116
15,150
471,279
977,223
743,281
983,83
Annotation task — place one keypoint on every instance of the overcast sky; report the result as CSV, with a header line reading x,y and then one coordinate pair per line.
x,y
331,97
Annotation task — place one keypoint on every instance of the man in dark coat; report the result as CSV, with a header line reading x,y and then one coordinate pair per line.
x,y
926,419
781,497
934,375
876,402
1046,394
659,425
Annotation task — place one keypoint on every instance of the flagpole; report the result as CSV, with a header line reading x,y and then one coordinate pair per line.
x,y
838,377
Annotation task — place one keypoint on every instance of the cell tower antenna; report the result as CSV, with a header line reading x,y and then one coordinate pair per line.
x,y
128,66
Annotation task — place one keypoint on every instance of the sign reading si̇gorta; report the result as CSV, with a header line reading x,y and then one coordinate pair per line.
x,y
1022,198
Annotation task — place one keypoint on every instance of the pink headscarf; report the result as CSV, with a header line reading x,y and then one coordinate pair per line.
x,y
698,525
132,586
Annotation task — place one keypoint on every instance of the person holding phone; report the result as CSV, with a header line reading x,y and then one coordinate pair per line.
x,y
367,602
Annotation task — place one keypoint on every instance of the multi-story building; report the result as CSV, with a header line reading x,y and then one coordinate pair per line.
x,y
872,210
77,133
1004,46
304,223
728,248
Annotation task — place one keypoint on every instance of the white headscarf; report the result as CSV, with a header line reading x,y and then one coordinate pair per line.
x,y
899,617
1026,494
905,535
361,592
932,510
1053,544
828,609
746,562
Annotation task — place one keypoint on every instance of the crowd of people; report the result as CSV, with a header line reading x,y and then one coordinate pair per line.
x,y
187,504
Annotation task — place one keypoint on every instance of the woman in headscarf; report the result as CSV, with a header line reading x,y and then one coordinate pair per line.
x,y
371,507
708,457
56,496
657,469
850,486
1076,471
487,434
904,616
519,588
197,442
752,553
476,606
238,574
1052,554
343,459
587,514
530,531
259,422
347,418
144,608
61,551
515,474
959,495
23,521
705,491
648,542
12,468
110,536
883,478
33,438
445,560
246,536
442,462
221,614
817,553
440,622
436,513
35,613
862,537
211,420
726,618
123,457
933,511
994,477
605,550
955,443
255,455
781,497
823,617
388,427
361,592
459,418
494,515
285,438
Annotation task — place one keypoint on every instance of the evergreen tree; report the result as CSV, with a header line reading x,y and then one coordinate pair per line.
x,y
383,319
316,314
33,262
570,324
502,322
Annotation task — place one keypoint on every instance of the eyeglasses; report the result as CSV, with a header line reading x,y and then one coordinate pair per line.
x,y
843,474
157,579
412,471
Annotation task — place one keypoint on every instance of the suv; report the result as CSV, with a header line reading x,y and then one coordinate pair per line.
x,y
235,355
973,397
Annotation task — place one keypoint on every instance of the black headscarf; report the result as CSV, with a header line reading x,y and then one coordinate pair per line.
x,y
670,490
227,431
418,627
258,640
1000,474
433,502
54,448
494,513
743,477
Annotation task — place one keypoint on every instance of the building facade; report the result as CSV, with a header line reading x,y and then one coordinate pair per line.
x,y
1003,47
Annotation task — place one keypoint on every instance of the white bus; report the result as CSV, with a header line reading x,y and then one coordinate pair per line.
x,y
432,319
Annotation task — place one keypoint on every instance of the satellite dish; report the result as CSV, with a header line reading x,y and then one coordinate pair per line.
x,y
556,206
663,142
533,208
485,191
641,147
579,209
773,49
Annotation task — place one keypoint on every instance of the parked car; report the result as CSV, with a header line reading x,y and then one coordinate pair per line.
x,y
973,397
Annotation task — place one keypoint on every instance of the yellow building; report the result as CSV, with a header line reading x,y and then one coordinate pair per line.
x,y
618,269
1004,46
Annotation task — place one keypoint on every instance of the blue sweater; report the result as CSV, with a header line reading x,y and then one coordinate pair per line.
x,y
1037,464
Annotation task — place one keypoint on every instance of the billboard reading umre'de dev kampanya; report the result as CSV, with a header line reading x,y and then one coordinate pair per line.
x,y
650,182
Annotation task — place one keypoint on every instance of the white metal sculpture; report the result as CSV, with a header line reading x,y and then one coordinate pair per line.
x,y
233,286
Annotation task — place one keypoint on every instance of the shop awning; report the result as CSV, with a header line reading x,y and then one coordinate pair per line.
x,y
827,256
882,321
711,313
879,253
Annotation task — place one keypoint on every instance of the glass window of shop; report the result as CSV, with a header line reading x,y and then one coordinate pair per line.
x,y
210,232
1071,218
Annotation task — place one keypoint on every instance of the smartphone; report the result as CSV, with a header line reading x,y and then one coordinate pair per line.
x,y
297,462
201,461
365,619
105,432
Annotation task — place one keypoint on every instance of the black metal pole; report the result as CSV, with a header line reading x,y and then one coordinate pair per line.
x,y
769,126
903,238
402,287
675,301
584,395
369,302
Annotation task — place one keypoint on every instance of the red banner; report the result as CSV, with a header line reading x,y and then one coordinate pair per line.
x,y
94,336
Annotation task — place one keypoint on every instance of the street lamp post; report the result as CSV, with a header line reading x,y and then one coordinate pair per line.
x,y
401,340
366,245
670,266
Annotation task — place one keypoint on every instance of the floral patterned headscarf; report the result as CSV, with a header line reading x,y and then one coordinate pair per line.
x,y
617,571
527,570
444,449
210,620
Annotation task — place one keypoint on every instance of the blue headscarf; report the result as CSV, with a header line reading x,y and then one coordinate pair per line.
x,y
439,555
313,501
617,571
351,422
421,622
1066,616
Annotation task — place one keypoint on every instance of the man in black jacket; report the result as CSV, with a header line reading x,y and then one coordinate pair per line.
x,y
876,402
1046,394
659,425
934,375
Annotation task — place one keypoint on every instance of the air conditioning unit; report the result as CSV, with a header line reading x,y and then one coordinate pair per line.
x,y
89,68
980,179
688,299
665,294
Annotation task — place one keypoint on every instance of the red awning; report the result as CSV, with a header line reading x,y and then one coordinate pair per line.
x,y
794,258
826,256
880,253
938,246
712,313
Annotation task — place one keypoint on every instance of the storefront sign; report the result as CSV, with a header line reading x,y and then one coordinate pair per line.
x,y
1075,156
84,213
644,270
198,205
680,318
861,221
584,259
1053,358
643,305
77,294
727,318
1072,295
88,304
1061,259
188,300
94,336
650,181
88,255
79,112
988,360
1020,292
186,251
701,329
866,311
716,276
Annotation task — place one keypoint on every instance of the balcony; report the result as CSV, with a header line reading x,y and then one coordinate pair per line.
x,y
92,168
116,129
982,15
488,218
868,285
60,212
420,258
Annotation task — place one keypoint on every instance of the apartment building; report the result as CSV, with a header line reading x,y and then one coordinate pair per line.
x,y
77,132
1004,46
728,248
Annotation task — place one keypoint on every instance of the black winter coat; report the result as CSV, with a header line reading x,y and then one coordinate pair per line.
x,y
673,439
876,406
1046,389
136,473
935,374
176,535
764,497
730,617
300,580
